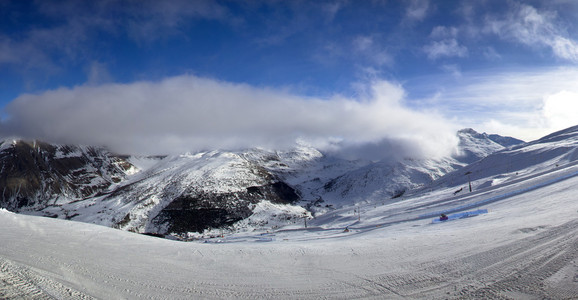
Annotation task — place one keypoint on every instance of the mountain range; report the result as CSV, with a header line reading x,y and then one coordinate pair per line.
x,y
234,190
513,235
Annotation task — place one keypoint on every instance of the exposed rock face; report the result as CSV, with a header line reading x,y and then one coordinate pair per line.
x,y
191,193
188,214
34,174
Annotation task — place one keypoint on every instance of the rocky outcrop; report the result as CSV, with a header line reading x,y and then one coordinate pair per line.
x,y
35,174
205,211
191,193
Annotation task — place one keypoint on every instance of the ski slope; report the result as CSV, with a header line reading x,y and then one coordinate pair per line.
x,y
526,246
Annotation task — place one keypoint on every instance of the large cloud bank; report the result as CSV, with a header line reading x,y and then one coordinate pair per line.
x,y
189,113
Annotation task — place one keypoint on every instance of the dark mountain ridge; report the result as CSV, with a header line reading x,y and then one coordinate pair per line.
x,y
36,174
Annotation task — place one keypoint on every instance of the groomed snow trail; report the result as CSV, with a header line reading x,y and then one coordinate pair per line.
x,y
539,266
21,283
525,247
544,265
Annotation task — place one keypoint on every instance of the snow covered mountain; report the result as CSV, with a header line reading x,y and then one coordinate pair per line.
x,y
524,247
386,179
35,174
240,190
474,146
185,193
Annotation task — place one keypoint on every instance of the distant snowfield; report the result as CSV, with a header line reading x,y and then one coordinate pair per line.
x,y
525,247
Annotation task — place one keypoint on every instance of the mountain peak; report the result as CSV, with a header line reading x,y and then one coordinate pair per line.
x,y
468,130
474,145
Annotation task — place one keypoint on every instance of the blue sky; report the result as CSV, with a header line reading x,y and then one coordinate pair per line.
x,y
507,67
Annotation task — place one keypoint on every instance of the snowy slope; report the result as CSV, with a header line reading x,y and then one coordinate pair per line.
x,y
526,247
384,180
543,155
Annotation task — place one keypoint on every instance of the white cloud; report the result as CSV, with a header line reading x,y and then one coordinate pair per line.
x,y
444,44
97,73
371,51
331,9
561,110
491,54
565,48
526,25
363,43
417,10
455,70
442,32
523,104
445,48
188,113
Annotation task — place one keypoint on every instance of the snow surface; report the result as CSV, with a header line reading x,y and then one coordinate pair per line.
x,y
525,247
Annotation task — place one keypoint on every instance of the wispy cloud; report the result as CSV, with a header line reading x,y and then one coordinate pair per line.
x,y
444,44
491,54
189,113
371,51
443,32
565,48
363,43
524,104
97,73
332,8
417,10
69,36
445,48
146,20
527,25
27,54
452,69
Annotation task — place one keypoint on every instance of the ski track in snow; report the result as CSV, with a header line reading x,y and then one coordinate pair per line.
x,y
18,282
